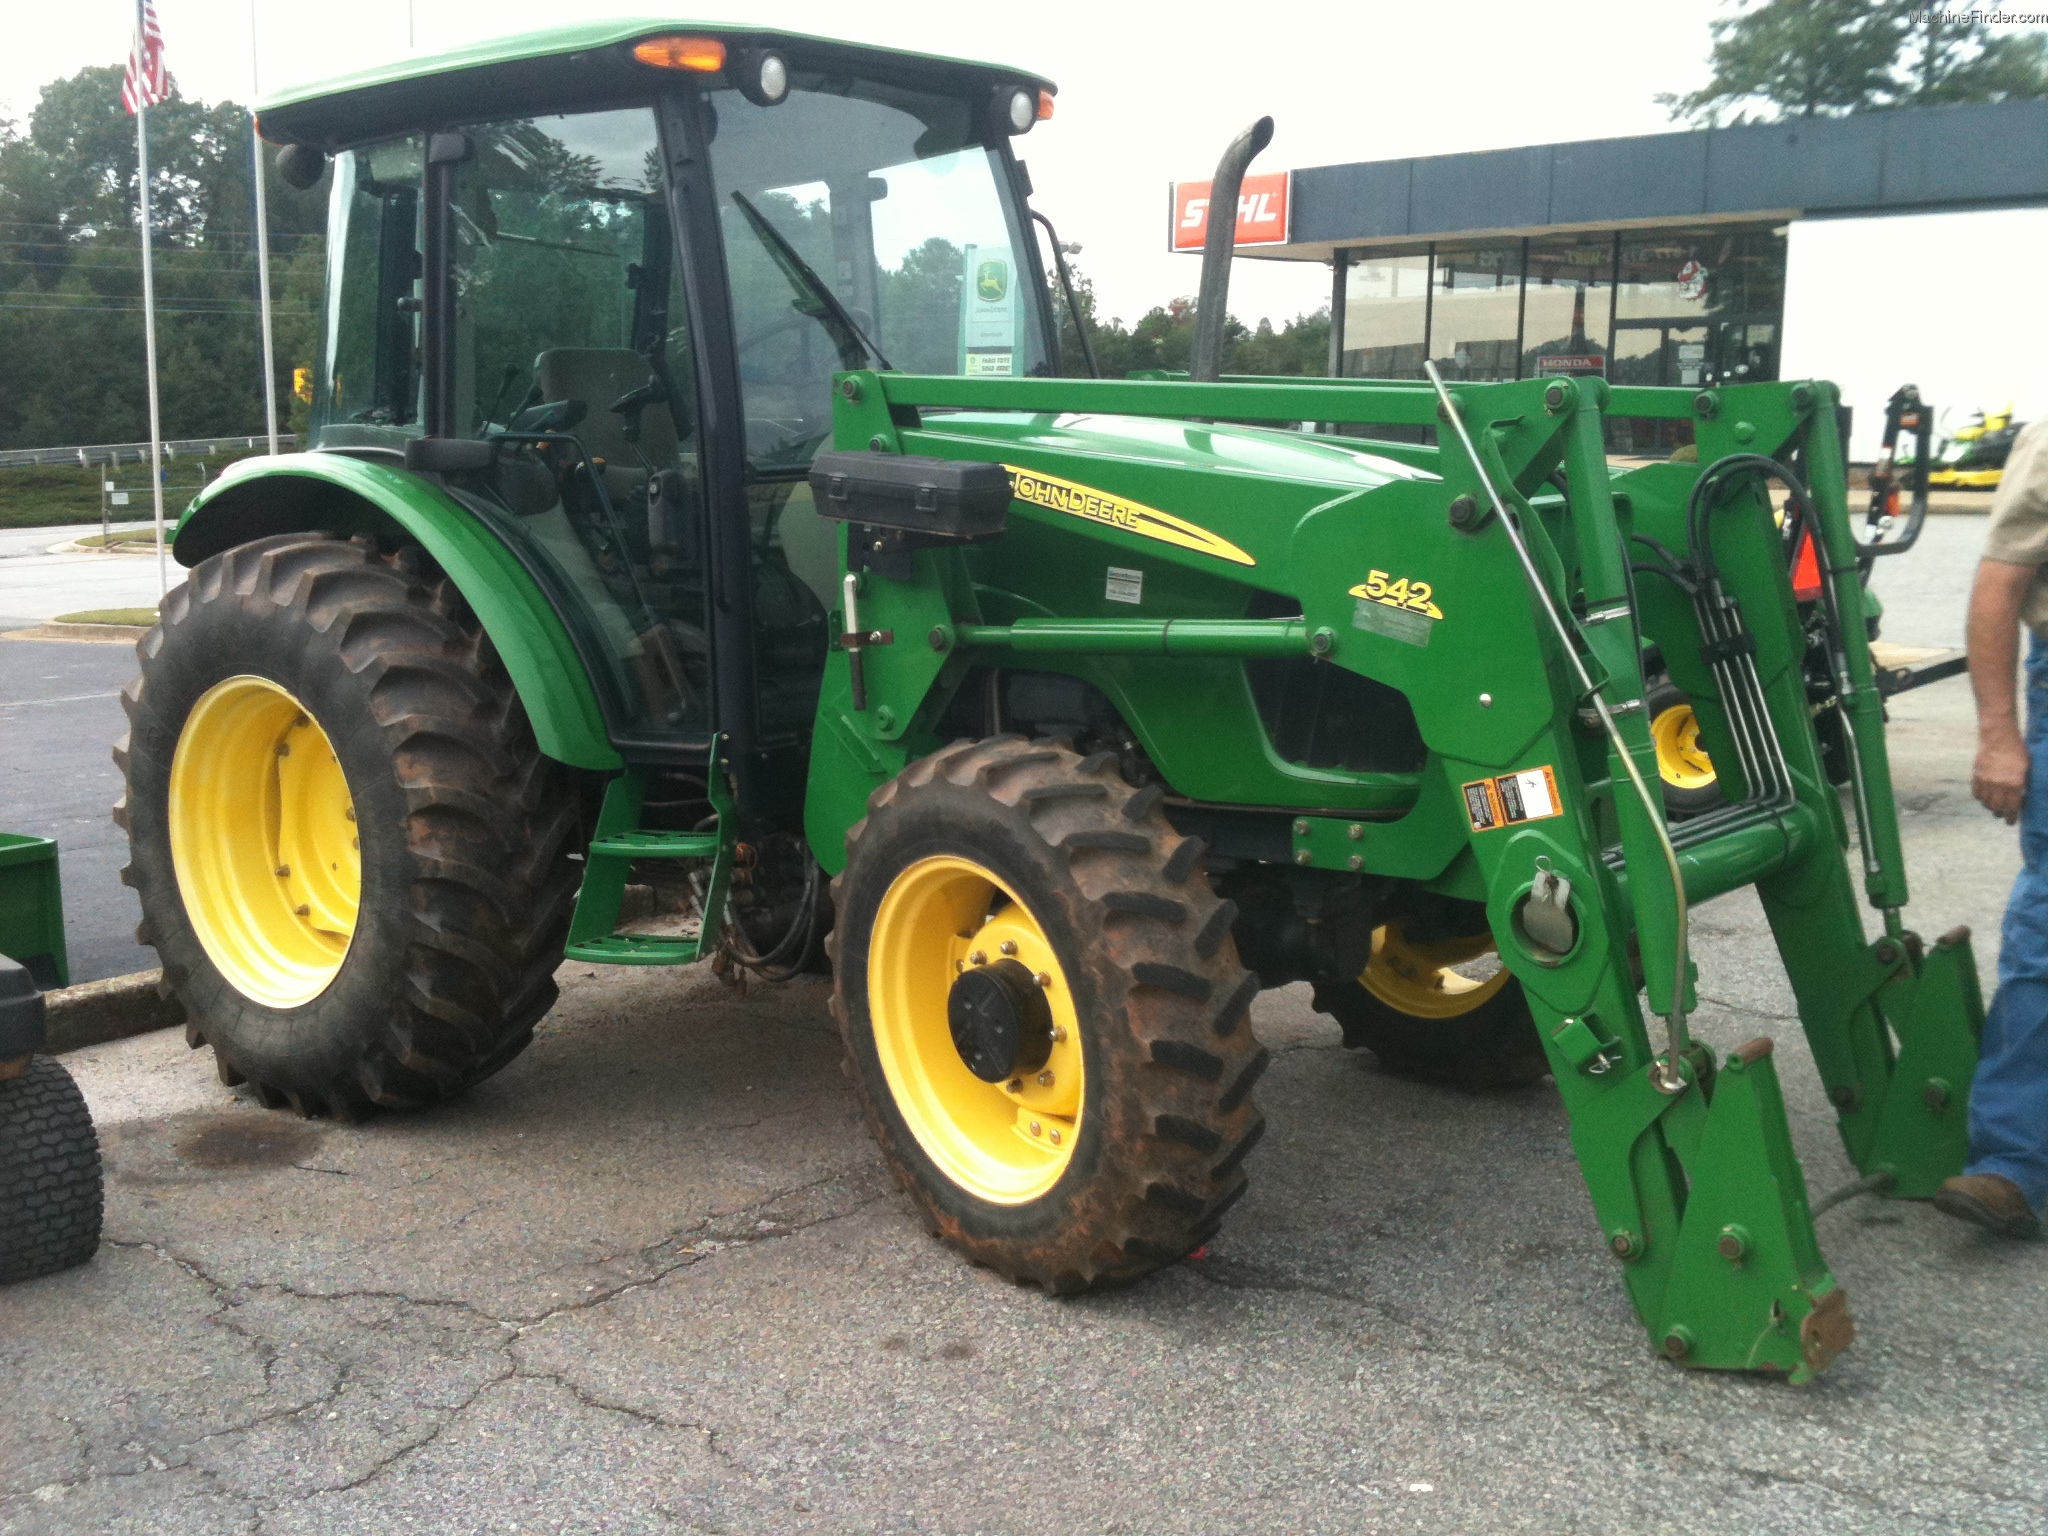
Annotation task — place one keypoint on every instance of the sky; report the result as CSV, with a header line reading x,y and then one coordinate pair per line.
x,y
1149,93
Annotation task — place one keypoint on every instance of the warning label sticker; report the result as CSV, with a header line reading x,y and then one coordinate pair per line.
x,y
1513,798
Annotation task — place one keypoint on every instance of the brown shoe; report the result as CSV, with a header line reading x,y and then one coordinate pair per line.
x,y
1992,1201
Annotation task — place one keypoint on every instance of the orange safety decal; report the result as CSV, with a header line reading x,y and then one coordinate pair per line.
x,y
1513,798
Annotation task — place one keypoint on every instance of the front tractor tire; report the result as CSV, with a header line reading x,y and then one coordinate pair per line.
x,y
1044,1015
1423,1018
1685,771
352,859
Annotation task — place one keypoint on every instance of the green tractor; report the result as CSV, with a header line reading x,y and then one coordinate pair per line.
x,y
694,493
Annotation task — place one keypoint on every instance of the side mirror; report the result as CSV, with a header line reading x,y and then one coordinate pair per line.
x,y
301,165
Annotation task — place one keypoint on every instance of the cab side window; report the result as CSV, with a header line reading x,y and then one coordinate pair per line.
x,y
369,379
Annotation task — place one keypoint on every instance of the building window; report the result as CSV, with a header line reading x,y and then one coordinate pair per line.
x,y
1386,316
1568,309
1696,307
1475,309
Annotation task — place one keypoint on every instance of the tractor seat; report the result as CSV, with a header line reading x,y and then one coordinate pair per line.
x,y
597,376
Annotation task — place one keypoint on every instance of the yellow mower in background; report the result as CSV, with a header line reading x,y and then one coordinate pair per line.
x,y
1972,458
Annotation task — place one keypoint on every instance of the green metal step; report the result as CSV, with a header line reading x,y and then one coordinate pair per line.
x,y
641,844
637,949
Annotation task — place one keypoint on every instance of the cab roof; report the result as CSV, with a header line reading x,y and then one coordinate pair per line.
x,y
583,64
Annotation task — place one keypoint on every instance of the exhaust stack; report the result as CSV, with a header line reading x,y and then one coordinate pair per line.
x,y
1205,362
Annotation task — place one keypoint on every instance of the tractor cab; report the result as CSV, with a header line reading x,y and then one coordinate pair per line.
x,y
626,300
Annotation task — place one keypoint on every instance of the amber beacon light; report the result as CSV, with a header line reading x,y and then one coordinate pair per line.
x,y
699,55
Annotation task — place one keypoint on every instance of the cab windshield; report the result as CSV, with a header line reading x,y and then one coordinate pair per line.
x,y
862,218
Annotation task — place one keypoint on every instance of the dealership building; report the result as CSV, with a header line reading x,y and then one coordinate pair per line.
x,y
1875,249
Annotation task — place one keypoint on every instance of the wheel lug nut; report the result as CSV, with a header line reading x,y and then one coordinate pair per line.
x,y
977,958
1044,980
1055,1137
1016,1085
1008,946
283,871
1034,1128
1059,1034
1045,1079
303,910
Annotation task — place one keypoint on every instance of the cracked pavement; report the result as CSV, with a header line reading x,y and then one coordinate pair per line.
x,y
651,1278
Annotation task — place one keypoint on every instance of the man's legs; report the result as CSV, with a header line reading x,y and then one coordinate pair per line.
x,y
2009,1098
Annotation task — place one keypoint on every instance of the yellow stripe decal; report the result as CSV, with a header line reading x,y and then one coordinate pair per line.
x,y
1057,495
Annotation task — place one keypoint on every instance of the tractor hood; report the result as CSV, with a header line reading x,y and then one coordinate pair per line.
x,y
1325,466
1220,498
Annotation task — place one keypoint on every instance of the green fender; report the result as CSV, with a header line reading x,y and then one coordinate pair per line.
x,y
335,493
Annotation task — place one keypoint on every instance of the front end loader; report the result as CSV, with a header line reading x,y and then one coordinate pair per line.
x,y
694,500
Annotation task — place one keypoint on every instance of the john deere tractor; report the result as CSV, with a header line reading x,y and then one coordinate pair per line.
x,y
695,498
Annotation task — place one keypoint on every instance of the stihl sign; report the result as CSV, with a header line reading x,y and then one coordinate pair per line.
x,y
1261,212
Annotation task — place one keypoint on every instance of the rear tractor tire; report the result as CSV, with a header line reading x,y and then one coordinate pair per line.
x,y
352,859
1423,1019
1044,1015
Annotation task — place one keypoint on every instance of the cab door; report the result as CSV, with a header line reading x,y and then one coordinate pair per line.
x,y
567,341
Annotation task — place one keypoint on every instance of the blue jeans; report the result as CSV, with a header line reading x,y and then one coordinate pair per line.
x,y
2009,1099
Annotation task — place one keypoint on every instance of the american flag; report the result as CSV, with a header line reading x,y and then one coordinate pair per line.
x,y
147,82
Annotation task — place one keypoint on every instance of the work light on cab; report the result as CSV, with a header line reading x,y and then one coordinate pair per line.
x,y
1016,108
761,75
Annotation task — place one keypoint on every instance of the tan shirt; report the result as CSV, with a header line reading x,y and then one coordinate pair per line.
x,y
2019,520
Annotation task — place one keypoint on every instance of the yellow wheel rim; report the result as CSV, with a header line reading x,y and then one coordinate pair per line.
x,y
1005,1142
263,839
1417,979
1681,761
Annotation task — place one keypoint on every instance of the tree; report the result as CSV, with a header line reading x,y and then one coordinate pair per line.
x,y
71,344
1956,59
1824,58
1164,337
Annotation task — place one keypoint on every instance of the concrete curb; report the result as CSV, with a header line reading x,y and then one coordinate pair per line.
x,y
95,1012
120,634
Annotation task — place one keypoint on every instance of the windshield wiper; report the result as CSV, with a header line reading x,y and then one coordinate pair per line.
x,y
787,257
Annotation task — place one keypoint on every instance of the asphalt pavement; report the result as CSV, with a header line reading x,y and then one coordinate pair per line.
x,y
60,715
651,1278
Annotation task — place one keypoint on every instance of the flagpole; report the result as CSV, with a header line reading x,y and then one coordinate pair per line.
x,y
156,431
262,242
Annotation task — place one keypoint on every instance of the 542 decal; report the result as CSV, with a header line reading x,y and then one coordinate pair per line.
x,y
1404,593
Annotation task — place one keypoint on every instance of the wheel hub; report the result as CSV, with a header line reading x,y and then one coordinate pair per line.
x,y
988,1073
264,841
1000,1020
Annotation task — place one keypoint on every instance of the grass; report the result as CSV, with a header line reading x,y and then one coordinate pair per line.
x,y
43,495
107,617
119,536
142,616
